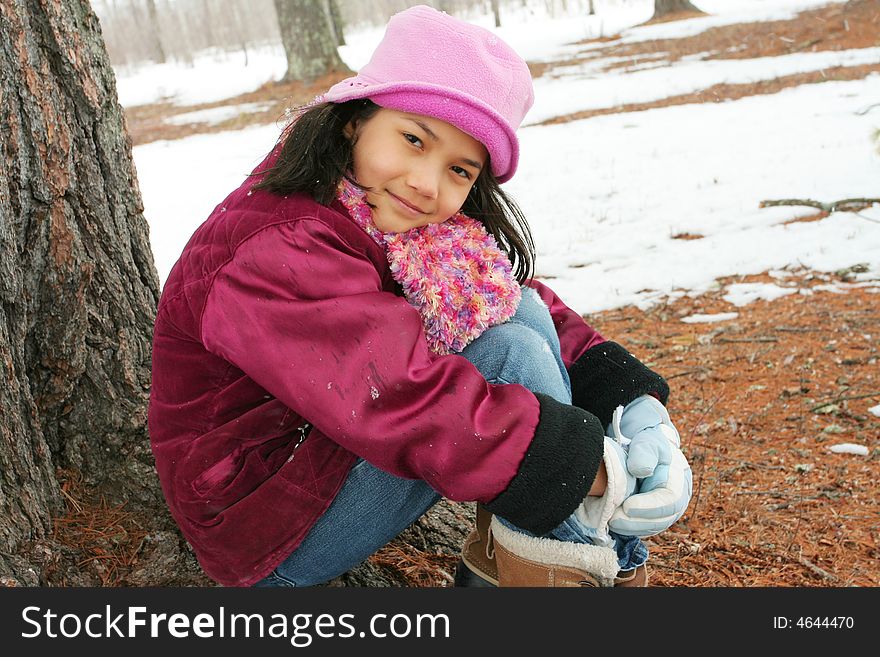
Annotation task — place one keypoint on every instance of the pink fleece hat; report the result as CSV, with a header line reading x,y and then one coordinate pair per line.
x,y
433,64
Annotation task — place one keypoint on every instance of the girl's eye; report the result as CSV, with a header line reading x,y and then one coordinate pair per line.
x,y
412,139
464,173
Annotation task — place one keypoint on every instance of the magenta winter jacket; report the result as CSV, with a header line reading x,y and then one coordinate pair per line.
x,y
282,312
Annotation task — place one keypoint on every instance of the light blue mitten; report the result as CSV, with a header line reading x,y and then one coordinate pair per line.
x,y
650,512
665,479
652,435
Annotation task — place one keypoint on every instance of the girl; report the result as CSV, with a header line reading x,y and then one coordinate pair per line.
x,y
354,332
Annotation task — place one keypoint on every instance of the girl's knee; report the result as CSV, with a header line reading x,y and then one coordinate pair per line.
x,y
516,342
534,313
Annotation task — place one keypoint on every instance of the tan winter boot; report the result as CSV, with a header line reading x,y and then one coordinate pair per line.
x,y
524,560
635,577
478,567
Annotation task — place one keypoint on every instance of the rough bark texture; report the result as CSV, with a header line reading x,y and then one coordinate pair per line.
x,y
308,40
78,288
664,7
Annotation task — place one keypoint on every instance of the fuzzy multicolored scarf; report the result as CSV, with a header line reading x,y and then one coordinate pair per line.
x,y
452,272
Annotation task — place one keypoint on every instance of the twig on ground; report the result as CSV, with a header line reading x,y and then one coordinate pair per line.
x,y
697,370
759,339
840,399
867,109
795,329
834,206
819,571
861,216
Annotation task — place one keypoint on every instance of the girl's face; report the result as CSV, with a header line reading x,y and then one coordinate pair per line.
x,y
419,169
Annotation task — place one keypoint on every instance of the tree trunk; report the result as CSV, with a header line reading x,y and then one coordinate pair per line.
x,y
496,12
592,9
665,7
308,41
337,24
78,288
155,33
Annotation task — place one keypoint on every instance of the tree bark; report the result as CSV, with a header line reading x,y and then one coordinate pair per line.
x,y
496,12
308,40
337,24
78,287
664,7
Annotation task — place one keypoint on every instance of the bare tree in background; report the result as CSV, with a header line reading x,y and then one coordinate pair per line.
x,y
155,32
496,12
337,24
308,40
78,288
665,7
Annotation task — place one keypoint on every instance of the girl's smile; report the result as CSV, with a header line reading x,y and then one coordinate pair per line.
x,y
407,207
417,169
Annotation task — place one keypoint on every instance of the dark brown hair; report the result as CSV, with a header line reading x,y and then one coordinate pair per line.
x,y
316,154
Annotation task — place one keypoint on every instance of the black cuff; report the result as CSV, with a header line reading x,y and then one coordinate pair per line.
x,y
607,376
557,471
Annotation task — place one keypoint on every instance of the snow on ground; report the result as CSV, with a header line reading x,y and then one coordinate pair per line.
x,y
720,12
581,88
605,196
212,76
700,318
849,448
742,294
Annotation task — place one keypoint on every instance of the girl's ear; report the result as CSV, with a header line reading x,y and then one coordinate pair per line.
x,y
350,129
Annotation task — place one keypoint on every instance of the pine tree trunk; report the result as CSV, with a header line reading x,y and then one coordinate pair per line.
x,y
78,288
308,40
664,7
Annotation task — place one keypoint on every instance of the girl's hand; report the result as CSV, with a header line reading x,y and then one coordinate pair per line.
x,y
665,480
600,482
662,499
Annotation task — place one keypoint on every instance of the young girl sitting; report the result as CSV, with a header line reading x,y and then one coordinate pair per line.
x,y
354,332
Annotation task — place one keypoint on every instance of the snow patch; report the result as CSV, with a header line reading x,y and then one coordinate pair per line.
x,y
741,294
717,317
849,448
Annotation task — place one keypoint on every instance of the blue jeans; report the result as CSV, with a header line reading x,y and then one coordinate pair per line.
x,y
373,507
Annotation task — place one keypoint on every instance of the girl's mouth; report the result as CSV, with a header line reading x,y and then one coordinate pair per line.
x,y
407,207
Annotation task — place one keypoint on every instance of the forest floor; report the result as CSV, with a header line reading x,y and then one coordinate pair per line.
x,y
759,399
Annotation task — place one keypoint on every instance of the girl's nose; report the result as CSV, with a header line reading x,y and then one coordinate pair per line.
x,y
424,180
